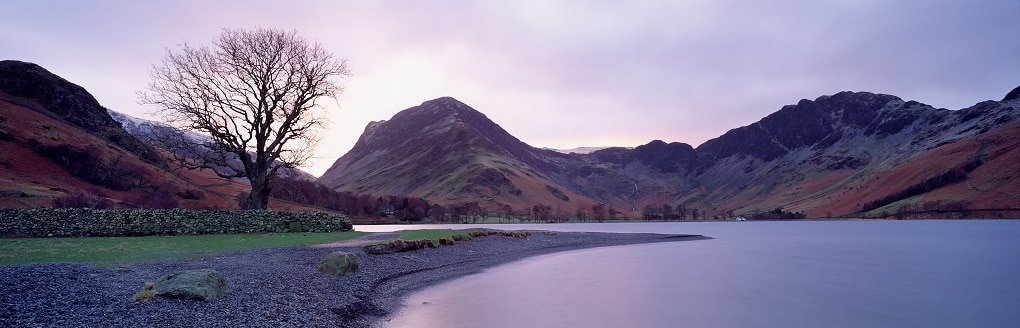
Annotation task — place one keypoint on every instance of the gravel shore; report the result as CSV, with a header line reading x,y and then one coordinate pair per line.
x,y
277,287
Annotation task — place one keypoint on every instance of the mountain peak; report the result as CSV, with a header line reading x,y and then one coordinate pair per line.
x,y
854,99
443,105
1012,95
442,149
443,101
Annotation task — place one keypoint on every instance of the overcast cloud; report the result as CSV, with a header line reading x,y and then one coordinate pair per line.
x,y
559,74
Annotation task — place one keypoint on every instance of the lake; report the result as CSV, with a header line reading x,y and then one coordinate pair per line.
x,y
753,274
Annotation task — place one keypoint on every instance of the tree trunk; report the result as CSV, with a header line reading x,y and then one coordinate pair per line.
x,y
258,198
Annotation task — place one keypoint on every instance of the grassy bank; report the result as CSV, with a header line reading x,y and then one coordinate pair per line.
x,y
114,250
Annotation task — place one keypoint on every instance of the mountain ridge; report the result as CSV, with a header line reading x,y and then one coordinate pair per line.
x,y
847,134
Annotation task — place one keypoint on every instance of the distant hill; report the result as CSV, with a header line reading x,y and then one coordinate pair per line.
x,y
578,150
850,153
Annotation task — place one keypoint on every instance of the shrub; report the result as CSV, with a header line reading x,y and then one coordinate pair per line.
x,y
80,199
193,194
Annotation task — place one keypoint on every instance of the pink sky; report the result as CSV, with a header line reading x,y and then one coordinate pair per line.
x,y
559,74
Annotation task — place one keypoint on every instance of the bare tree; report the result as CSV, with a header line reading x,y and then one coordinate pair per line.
x,y
598,212
255,94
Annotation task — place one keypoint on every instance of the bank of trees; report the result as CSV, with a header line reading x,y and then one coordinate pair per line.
x,y
358,206
777,213
669,212
371,208
935,209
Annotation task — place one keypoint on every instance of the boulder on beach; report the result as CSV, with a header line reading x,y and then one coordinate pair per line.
x,y
339,263
201,284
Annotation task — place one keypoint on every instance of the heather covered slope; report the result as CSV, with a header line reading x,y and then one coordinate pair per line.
x,y
844,154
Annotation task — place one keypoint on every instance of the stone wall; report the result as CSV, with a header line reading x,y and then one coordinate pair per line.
x,y
79,222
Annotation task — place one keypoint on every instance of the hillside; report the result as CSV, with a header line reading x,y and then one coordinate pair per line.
x,y
850,153
57,140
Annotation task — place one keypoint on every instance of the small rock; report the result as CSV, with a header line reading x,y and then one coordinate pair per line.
x,y
202,284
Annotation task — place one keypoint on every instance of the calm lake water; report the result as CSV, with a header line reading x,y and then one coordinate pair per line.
x,y
753,274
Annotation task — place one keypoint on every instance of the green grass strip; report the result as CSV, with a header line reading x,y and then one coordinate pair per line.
x,y
116,250
434,234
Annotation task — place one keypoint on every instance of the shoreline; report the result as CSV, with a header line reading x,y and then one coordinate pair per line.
x,y
273,287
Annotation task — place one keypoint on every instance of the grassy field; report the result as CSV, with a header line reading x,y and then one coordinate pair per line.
x,y
116,250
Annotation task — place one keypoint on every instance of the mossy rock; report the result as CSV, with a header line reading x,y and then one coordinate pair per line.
x,y
201,284
339,263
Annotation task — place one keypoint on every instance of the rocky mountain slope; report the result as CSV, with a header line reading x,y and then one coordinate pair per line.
x,y
843,154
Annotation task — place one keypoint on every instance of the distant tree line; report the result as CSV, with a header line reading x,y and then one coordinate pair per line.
x,y
678,212
777,213
935,209
367,208
685,212
357,206
596,213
